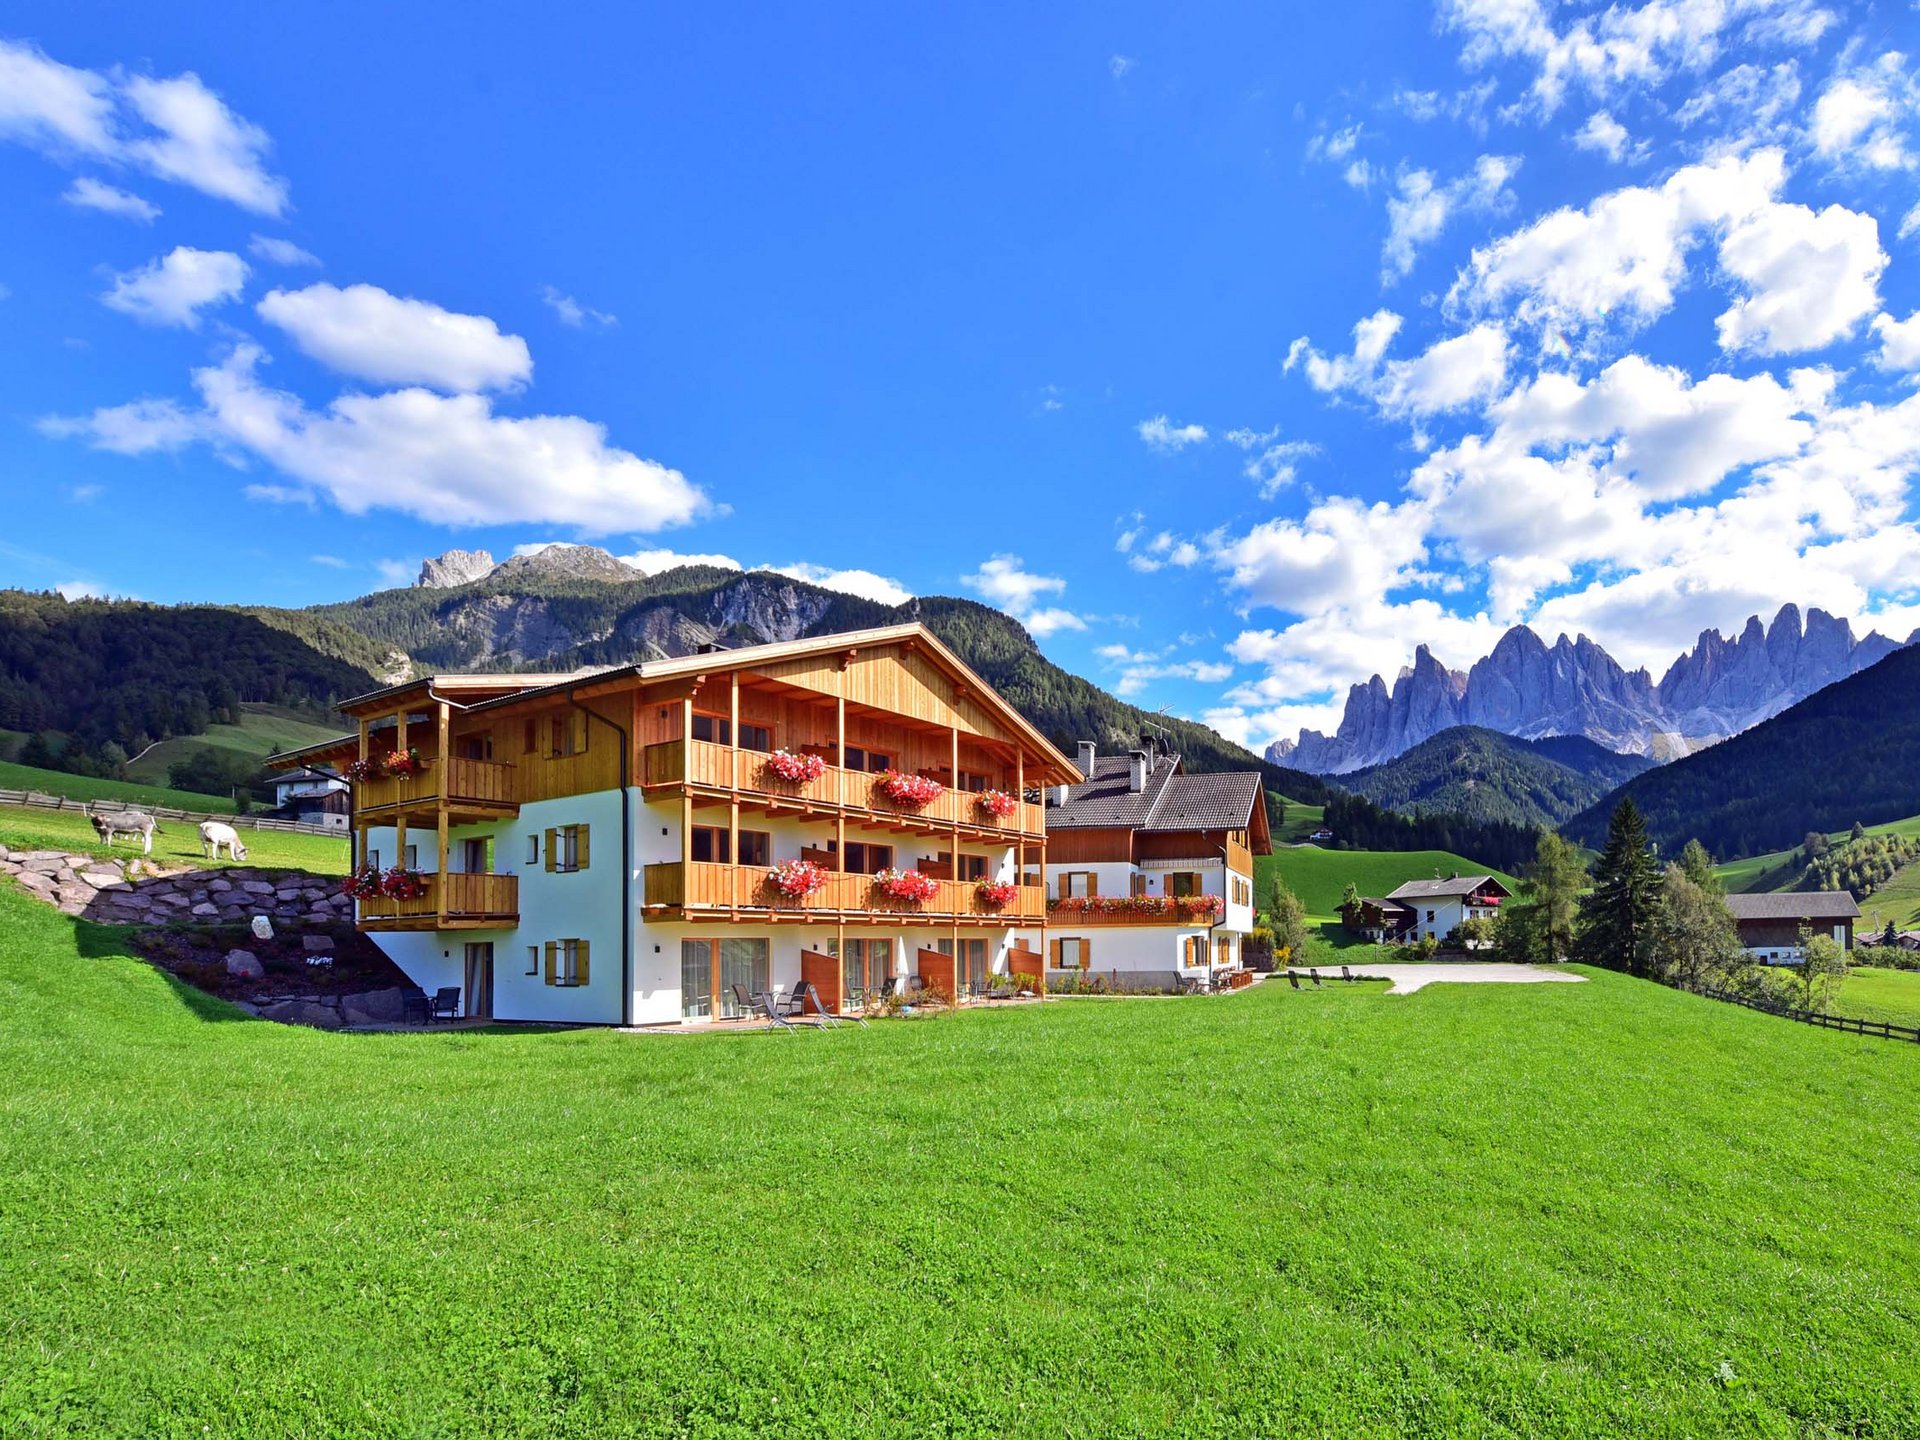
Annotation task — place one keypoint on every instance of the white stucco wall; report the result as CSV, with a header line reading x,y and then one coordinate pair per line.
x,y
1116,878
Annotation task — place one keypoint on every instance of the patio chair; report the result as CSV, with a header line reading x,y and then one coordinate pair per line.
x,y
1315,974
916,987
857,999
1346,974
445,1004
415,1008
764,1005
1293,980
889,988
806,994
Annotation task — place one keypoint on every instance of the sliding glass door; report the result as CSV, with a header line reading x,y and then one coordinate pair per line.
x,y
748,964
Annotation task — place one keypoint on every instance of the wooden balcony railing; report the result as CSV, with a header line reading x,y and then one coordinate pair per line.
x,y
1239,858
1192,912
721,767
697,885
482,784
469,898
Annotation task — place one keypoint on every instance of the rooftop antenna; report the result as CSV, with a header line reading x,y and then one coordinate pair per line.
x,y
1159,733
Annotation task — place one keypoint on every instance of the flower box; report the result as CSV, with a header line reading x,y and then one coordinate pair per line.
x,y
997,894
400,883
797,879
393,763
997,804
907,885
913,792
362,884
1200,909
795,769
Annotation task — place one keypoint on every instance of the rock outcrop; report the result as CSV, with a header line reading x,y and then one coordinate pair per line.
x,y
138,892
453,569
1529,689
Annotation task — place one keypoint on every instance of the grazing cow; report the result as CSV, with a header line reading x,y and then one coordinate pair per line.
x,y
217,833
126,822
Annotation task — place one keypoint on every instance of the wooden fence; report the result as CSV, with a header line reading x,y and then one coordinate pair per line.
x,y
1815,1017
37,801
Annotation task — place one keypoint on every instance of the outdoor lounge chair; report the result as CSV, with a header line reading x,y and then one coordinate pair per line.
x,y
759,1003
1293,980
1346,974
445,1004
806,994
1315,974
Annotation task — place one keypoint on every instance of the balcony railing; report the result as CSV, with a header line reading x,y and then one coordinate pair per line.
x,y
1075,911
479,784
697,885
721,767
1239,858
470,899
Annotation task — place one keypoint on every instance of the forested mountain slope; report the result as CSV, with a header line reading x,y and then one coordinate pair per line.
x,y
1484,775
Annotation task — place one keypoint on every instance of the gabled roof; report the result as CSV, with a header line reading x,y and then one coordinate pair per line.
x,y
1795,905
1169,801
1447,889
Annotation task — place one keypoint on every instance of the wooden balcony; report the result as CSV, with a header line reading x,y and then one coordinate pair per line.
x,y
472,789
695,889
1191,914
721,769
1239,859
473,902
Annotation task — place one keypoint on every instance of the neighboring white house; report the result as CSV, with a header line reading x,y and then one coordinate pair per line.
x,y
1149,870
313,797
1770,925
600,848
1440,906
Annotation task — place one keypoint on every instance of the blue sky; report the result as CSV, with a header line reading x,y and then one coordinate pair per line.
x,y
1237,351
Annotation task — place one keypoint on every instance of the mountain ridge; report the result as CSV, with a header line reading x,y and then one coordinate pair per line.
x,y
1529,690
1485,775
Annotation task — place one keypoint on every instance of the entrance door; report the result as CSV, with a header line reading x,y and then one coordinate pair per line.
x,y
747,963
709,969
480,980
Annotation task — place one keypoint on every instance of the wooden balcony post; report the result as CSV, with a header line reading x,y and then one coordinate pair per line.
x,y
686,740
953,841
441,727
733,731
400,731
733,850
400,839
840,739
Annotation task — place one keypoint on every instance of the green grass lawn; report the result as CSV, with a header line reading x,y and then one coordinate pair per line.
x,y
174,841
84,787
263,730
1301,821
1578,1210
1871,993
1319,876
1898,900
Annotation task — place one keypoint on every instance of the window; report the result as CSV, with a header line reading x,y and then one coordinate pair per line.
x,y
474,747
373,859
1429,917
556,736
756,848
1242,890
533,959
1074,954
865,964
533,848
711,846
1079,884
413,857
566,962
1183,883
1223,951
868,859
476,856
1136,884
973,782
567,848
1193,950
756,737
971,867
870,760
714,729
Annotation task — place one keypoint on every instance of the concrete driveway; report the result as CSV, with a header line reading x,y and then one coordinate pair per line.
x,y
1409,978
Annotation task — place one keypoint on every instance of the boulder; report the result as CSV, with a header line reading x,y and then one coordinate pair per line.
x,y
47,864
245,965
257,887
304,1012
5,854
219,882
101,879
317,944
205,910
172,899
374,1007
37,881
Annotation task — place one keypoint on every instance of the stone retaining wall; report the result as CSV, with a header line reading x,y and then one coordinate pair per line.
x,y
138,892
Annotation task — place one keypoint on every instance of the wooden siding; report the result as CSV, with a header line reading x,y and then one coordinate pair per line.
x,y
1077,846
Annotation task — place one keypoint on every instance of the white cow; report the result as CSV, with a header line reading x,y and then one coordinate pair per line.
x,y
217,833
125,822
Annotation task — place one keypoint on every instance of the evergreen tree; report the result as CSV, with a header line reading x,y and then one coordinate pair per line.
x,y
1551,883
1289,918
1698,865
1617,930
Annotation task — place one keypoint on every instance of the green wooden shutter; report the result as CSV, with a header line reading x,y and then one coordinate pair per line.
x,y
580,975
551,847
552,963
580,850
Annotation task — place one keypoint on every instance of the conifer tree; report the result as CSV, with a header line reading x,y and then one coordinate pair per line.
x,y
1617,915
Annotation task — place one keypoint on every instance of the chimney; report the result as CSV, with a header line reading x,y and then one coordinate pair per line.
x,y
1136,770
1086,758
1056,795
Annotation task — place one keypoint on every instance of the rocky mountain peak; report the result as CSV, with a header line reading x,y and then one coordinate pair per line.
x,y
568,562
453,569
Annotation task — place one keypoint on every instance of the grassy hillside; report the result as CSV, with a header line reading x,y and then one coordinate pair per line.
x,y
174,841
1875,994
1477,1210
1778,869
1301,821
1482,774
1319,876
83,787
263,729
1849,752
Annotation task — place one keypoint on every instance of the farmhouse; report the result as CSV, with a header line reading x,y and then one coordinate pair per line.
x,y
1770,925
313,797
1440,906
1377,919
625,846
1149,870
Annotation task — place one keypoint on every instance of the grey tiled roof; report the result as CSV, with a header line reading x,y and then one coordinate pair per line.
x,y
1444,889
1795,905
1168,801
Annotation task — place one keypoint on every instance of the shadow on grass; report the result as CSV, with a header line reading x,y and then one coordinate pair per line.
x,y
103,942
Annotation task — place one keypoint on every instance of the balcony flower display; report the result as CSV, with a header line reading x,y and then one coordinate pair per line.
x,y
908,885
1200,909
400,883
997,894
362,884
404,762
915,792
797,879
996,803
367,769
797,769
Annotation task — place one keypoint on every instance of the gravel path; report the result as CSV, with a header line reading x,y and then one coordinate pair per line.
x,y
1409,978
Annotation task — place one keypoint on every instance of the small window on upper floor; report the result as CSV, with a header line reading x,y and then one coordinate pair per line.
x,y
756,847
711,846
714,729
569,848
756,737
974,782
1183,884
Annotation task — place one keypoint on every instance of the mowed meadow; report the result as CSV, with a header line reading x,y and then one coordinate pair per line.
x,y
1598,1209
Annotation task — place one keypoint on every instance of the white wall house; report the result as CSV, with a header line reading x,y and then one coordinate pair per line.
x,y
1441,906
600,848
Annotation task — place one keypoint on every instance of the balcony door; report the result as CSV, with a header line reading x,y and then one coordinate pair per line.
x,y
709,969
480,980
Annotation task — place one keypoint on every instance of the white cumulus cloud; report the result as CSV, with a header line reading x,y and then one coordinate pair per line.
x,y
366,332
175,288
87,193
1161,434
